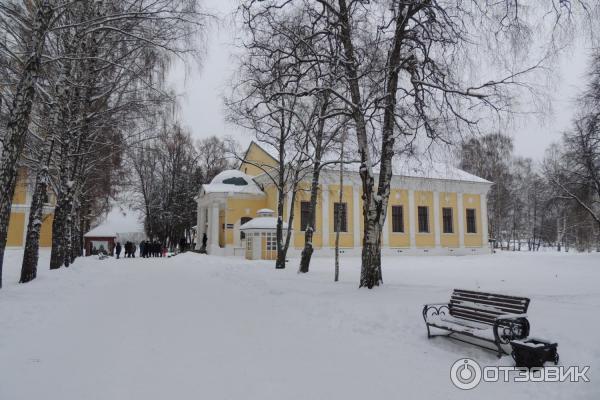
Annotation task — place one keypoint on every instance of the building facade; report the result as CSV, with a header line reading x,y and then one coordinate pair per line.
x,y
433,209
19,213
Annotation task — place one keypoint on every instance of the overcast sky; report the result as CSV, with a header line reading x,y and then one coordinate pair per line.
x,y
202,91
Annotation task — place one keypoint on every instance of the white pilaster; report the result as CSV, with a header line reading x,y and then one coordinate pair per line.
x,y
325,212
411,218
213,228
436,219
484,219
356,215
461,220
385,240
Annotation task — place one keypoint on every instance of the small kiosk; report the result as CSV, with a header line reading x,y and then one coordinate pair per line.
x,y
261,236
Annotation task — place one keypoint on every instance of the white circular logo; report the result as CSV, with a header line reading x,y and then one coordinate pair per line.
x,y
465,374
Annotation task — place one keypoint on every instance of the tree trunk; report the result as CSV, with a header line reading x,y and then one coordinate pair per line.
x,y
36,211
280,261
309,231
374,204
339,219
20,115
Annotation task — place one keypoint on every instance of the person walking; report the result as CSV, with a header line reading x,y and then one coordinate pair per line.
x,y
141,246
118,249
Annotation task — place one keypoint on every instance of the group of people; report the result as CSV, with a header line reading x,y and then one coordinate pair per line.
x,y
146,249
152,249
130,249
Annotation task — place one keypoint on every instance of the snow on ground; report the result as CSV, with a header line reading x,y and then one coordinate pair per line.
x,y
201,327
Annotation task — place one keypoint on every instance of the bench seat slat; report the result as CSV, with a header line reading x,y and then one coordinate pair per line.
x,y
491,297
497,304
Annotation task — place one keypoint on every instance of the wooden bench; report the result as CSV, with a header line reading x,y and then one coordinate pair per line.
x,y
494,318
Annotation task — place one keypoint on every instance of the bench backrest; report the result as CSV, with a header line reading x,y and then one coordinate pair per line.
x,y
485,307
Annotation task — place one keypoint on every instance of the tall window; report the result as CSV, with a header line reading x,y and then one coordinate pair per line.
x,y
471,221
304,215
397,219
339,210
242,222
447,220
423,219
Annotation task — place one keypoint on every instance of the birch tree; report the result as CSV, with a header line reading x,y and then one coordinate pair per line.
x,y
109,58
15,18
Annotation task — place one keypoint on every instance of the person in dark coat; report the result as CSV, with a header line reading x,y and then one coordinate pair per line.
x,y
141,249
118,249
204,240
182,245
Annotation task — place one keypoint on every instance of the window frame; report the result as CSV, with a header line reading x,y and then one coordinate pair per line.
x,y
401,218
344,206
303,226
419,230
468,230
451,216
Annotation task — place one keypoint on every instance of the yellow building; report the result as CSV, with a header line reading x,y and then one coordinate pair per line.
x,y
19,213
433,209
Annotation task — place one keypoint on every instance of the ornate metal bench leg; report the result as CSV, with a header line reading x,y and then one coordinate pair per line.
x,y
500,351
428,332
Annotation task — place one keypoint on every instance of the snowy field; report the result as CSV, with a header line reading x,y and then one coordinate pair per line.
x,y
200,327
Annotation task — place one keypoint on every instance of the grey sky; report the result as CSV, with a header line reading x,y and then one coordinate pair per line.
x,y
202,91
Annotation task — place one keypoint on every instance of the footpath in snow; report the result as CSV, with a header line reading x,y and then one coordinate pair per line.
x,y
201,327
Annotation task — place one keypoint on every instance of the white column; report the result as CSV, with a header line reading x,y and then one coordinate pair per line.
x,y
356,213
436,219
461,220
325,212
213,228
385,240
484,219
411,218
256,247
200,226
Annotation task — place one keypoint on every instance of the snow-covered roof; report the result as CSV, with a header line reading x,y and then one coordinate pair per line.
x,y
232,181
265,211
262,223
425,169
433,170
119,221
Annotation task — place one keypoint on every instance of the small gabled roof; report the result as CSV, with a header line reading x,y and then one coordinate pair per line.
x,y
268,223
268,153
118,221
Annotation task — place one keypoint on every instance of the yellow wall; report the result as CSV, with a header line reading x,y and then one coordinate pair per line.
x,y
46,231
472,201
20,196
346,238
424,239
448,200
16,229
257,156
238,208
221,228
398,197
271,201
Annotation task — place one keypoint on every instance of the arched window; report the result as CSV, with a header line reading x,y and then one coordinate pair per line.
x,y
242,222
